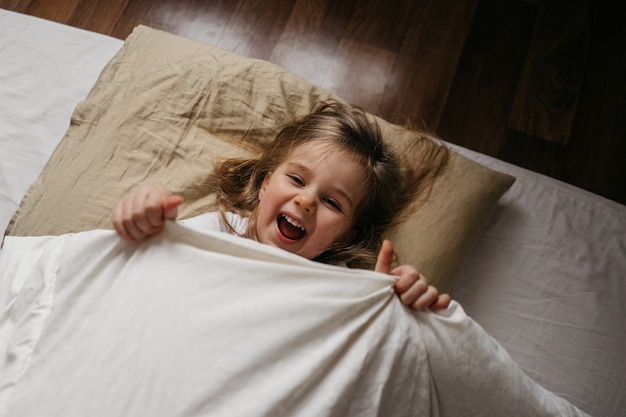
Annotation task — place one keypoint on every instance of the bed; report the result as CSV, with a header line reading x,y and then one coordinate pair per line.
x,y
537,264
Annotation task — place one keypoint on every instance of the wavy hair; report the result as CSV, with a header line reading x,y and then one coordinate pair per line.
x,y
393,183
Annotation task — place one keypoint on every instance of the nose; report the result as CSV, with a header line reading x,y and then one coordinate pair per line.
x,y
306,201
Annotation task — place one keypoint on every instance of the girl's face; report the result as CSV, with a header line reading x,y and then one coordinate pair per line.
x,y
309,202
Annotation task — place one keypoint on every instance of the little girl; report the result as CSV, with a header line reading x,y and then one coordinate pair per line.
x,y
327,188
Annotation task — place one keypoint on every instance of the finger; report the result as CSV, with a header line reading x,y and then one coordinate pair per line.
x,y
117,223
441,303
170,207
414,292
425,300
134,220
148,210
137,228
385,258
407,276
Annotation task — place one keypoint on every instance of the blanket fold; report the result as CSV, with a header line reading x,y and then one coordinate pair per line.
x,y
188,323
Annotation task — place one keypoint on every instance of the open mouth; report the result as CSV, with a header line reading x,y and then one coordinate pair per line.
x,y
289,227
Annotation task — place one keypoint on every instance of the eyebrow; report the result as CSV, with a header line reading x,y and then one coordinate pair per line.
x,y
337,189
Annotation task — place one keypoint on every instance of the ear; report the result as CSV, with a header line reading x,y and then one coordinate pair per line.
x,y
266,181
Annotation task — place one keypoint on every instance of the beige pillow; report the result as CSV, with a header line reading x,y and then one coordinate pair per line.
x,y
165,107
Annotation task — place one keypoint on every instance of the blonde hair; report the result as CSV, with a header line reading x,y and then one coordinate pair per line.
x,y
393,184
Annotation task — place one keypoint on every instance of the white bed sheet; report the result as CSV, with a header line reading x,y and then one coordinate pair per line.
x,y
547,278
45,69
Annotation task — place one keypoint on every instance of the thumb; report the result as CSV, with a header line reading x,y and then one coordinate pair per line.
x,y
385,258
170,206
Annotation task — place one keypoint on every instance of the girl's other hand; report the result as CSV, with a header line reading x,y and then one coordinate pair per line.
x,y
143,212
412,287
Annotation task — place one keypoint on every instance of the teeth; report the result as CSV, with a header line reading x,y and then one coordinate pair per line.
x,y
293,222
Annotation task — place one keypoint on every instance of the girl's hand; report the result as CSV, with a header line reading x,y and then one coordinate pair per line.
x,y
411,286
143,212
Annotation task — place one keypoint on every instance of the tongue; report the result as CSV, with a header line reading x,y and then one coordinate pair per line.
x,y
288,230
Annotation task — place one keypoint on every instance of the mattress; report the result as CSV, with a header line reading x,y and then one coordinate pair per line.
x,y
46,69
546,277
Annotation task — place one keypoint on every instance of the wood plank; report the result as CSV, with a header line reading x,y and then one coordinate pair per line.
x,y
547,95
480,98
255,26
310,39
358,73
417,87
126,23
533,153
597,148
195,19
56,10
97,16
370,23
19,6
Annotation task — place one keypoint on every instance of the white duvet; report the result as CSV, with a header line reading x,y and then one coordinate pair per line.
x,y
191,324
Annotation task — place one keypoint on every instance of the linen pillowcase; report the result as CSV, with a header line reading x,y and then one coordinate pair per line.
x,y
165,108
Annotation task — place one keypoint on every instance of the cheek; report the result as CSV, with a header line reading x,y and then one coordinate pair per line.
x,y
266,196
348,230
338,229
262,209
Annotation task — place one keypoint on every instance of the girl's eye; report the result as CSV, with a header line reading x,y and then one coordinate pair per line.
x,y
296,179
334,204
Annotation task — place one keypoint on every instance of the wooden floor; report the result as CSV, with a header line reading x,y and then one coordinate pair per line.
x,y
541,83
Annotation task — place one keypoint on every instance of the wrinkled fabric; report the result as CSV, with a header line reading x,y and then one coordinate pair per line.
x,y
189,324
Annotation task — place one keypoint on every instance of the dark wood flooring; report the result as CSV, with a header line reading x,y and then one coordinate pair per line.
x,y
541,83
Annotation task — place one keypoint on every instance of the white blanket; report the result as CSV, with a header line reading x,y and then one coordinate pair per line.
x,y
190,324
